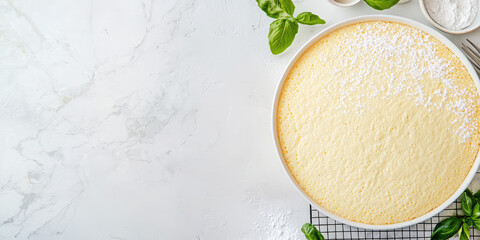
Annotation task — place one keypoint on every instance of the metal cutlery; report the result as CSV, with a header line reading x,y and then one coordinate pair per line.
x,y
472,55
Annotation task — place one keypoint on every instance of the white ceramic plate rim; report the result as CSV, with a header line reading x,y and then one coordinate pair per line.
x,y
332,28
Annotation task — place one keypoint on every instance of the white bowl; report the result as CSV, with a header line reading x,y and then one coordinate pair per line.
x,y
475,24
349,3
344,3
326,31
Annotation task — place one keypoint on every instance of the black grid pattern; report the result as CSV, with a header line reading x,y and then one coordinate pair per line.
x,y
332,229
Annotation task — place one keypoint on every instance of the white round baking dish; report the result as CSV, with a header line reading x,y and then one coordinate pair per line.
x,y
332,28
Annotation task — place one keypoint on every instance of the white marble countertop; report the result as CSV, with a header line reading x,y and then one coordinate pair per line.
x,y
141,119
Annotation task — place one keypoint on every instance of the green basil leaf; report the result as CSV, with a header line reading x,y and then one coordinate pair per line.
x,y
273,9
467,204
476,211
476,224
469,192
469,222
281,35
381,4
447,228
287,6
311,232
465,232
309,18
477,194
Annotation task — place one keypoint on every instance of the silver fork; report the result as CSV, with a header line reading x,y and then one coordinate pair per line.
x,y
472,56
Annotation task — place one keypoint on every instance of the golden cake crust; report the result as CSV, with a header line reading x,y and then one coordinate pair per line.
x,y
378,122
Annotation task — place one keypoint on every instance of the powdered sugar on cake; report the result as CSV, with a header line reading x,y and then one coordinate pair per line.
x,y
412,57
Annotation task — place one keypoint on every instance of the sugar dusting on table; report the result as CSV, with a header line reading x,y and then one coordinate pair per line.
x,y
273,222
452,14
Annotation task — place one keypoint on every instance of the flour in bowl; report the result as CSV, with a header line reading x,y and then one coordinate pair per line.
x,y
452,14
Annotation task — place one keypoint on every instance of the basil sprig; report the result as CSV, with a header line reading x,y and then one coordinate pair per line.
x,y
447,228
281,35
381,4
461,224
476,212
467,204
464,232
283,30
309,18
311,232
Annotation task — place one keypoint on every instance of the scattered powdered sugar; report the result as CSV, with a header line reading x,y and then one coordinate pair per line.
x,y
274,221
452,14
412,56
278,227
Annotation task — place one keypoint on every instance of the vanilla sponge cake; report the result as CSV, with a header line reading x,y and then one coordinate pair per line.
x,y
379,122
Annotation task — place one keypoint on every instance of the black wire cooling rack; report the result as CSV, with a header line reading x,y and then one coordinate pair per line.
x,y
332,229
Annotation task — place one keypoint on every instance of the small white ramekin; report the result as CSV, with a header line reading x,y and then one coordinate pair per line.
x,y
323,33
349,3
344,3
475,24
